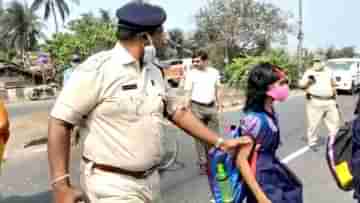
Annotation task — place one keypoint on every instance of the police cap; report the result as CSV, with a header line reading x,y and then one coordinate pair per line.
x,y
140,17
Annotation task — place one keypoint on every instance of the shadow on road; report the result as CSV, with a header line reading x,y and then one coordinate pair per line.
x,y
43,197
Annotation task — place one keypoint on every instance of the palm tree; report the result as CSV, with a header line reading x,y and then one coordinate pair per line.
x,y
105,16
52,7
20,28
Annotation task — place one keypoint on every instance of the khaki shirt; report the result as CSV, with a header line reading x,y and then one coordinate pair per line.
x,y
323,85
123,106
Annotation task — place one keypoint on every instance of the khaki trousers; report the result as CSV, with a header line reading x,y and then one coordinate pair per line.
x,y
321,110
209,116
106,187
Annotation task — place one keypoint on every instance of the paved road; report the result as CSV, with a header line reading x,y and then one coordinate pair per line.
x,y
27,123
24,108
25,179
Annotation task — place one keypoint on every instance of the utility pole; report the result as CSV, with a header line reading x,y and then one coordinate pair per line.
x,y
225,34
300,40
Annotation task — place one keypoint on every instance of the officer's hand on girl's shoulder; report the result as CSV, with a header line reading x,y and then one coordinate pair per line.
x,y
231,144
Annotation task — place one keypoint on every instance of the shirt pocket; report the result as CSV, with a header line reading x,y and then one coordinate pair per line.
x,y
124,105
132,104
151,105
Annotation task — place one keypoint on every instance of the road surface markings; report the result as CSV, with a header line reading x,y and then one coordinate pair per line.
x,y
43,148
296,154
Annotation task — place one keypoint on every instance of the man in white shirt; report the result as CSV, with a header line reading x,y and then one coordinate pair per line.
x,y
202,87
321,101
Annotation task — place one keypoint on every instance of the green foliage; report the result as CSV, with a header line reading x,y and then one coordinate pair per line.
x,y
20,27
237,72
54,8
87,35
61,47
282,59
345,52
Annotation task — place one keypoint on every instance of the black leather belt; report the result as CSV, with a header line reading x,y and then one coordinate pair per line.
x,y
112,169
322,98
211,104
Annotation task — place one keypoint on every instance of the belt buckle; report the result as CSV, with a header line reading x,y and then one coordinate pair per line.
x,y
148,172
88,168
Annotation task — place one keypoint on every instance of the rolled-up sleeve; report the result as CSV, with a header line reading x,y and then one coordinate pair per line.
x,y
188,82
79,97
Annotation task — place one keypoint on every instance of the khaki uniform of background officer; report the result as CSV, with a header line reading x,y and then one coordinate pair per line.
x,y
123,98
321,101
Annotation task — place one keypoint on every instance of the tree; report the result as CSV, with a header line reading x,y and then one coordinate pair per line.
x,y
180,46
87,35
21,28
177,36
330,52
345,52
241,27
54,8
237,72
105,16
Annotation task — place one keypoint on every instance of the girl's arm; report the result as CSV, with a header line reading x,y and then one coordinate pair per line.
x,y
243,163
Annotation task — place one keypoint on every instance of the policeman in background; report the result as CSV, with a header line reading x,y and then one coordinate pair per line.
x,y
123,97
321,101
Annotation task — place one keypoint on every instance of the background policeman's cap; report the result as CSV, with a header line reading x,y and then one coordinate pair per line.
x,y
318,58
140,17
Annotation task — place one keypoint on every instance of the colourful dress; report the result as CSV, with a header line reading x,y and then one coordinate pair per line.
x,y
275,179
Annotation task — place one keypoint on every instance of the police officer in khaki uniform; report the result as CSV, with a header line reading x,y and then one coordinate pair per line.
x,y
123,98
321,101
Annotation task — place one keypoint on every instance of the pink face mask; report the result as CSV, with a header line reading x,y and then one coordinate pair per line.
x,y
279,93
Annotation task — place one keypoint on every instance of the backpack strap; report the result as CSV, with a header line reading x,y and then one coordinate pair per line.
x,y
264,124
257,141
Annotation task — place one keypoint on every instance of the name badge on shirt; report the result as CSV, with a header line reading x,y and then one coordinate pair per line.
x,y
129,87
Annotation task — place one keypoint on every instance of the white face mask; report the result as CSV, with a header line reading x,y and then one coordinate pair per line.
x,y
149,51
149,54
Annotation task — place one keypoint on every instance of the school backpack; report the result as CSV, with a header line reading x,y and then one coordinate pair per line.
x,y
216,156
339,154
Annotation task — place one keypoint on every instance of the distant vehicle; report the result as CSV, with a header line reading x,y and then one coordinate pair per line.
x,y
345,73
41,92
176,70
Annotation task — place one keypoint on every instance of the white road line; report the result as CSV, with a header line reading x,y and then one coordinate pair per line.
x,y
40,149
294,155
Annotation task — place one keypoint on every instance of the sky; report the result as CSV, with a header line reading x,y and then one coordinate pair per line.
x,y
325,22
